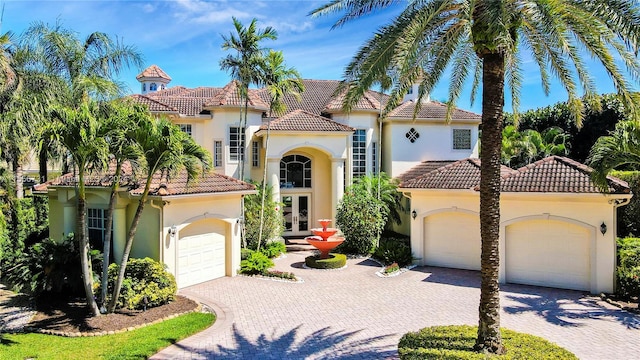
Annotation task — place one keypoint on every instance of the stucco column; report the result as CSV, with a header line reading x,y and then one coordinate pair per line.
x,y
337,184
119,232
273,177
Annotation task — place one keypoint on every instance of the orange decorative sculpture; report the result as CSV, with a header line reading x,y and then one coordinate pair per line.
x,y
323,238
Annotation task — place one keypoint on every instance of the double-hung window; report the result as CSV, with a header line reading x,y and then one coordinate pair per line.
x,y
359,153
236,143
217,153
255,154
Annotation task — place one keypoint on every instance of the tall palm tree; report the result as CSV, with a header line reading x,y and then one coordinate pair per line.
x,y
166,149
618,149
8,76
245,65
279,81
79,130
485,39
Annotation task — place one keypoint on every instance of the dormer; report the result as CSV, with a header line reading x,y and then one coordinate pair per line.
x,y
153,79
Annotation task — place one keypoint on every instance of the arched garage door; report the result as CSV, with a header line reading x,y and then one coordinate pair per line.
x,y
452,239
548,252
201,252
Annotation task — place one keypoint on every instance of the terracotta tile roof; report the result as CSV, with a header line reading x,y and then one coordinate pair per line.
x,y
462,174
230,96
558,174
154,104
300,120
367,102
170,91
177,185
153,71
423,168
430,110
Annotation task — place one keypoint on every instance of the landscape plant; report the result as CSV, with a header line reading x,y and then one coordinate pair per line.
x,y
255,263
628,216
334,261
273,249
485,40
628,268
270,214
361,220
393,250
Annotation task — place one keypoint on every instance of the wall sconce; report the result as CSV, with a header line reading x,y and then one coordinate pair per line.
x,y
240,221
173,230
603,228
414,214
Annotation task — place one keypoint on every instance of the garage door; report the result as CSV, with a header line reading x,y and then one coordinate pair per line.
x,y
200,258
548,253
452,239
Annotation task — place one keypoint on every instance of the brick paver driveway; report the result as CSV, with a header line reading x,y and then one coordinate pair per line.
x,y
353,314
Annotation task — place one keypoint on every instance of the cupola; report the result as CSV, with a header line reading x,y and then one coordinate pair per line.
x,y
153,79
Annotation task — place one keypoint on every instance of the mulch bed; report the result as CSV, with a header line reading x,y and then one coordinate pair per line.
x,y
73,316
630,305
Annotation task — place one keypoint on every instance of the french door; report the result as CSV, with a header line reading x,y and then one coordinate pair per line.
x,y
296,214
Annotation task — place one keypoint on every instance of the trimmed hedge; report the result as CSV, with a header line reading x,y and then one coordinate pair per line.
x,y
457,342
335,261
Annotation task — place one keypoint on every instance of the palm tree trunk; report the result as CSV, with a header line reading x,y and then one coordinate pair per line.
x,y
85,263
264,183
18,176
489,337
243,135
107,237
43,157
127,248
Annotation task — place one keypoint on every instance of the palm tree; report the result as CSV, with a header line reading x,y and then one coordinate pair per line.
x,y
79,130
485,39
119,119
7,73
279,81
245,65
166,149
621,148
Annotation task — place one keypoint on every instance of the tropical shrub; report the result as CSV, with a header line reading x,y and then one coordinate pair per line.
x,y
391,268
256,263
273,249
361,217
245,253
273,220
628,269
388,189
457,342
394,250
629,215
146,284
335,261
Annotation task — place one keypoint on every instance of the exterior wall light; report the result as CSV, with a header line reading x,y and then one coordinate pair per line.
x,y
603,228
414,214
173,230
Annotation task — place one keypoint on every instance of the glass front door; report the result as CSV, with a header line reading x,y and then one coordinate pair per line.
x,y
296,214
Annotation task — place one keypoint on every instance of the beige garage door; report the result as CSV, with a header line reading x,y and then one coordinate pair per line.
x,y
452,239
200,258
548,253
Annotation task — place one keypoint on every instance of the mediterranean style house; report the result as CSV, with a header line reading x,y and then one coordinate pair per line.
x,y
557,228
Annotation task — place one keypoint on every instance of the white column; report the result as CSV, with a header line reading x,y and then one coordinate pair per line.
x,y
337,184
273,177
119,232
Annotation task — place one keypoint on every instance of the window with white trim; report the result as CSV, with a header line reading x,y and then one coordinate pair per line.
x,y
186,128
217,153
95,227
359,151
461,139
236,142
374,158
255,154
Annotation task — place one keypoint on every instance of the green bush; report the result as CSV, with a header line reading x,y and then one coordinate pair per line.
x,y
273,249
146,282
280,274
245,253
360,217
629,215
394,250
456,342
628,269
256,263
335,261
273,219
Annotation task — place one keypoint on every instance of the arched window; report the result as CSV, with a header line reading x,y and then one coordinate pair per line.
x,y
295,172
144,87
153,87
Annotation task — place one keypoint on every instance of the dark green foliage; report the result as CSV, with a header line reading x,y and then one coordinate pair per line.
x,y
335,261
273,220
245,253
144,278
360,217
597,122
456,342
280,274
629,215
628,269
256,263
391,268
273,249
388,194
393,250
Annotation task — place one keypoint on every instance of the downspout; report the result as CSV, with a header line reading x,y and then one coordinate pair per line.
x,y
616,204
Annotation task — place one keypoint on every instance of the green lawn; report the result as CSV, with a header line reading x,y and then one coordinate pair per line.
x,y
137,344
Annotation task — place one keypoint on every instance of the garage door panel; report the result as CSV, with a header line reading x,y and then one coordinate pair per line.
x,y
548,253
201,258
452,240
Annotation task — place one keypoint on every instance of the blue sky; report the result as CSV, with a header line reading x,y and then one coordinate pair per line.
x,y
183,37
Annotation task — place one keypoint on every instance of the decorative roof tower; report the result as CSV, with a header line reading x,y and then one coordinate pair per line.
x,y
153,79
